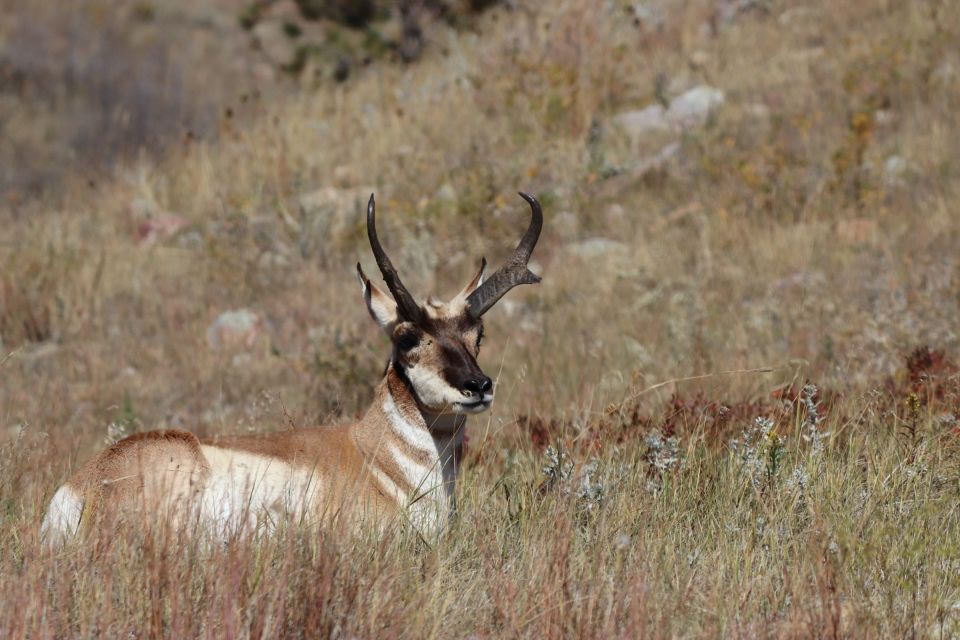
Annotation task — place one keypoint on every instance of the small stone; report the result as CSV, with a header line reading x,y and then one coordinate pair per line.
x,y
159,228
329,212
239,328
142,207
512,308
647,15
615,215
699,59
727,11
641,122
800,280
656,162
758,111
758,118
797,16
271,37
595,248
695,106
884,117
271,260
415,256
446,193
678,84
192,240
894,170
946,74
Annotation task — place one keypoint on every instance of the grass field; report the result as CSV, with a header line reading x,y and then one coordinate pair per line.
x,y
731,409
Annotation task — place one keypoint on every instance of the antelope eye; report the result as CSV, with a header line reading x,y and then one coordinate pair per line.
x,y
479,338
408,340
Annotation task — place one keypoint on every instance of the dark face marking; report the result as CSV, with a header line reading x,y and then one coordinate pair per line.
x,y
460,368
448,347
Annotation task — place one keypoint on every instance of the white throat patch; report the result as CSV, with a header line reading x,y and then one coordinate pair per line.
x,y
432,390
414,435
429,502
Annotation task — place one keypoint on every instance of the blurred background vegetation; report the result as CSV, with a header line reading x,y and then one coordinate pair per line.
x,y
729,184
85,86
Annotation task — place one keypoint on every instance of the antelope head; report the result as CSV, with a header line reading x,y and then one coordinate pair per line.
x,y
435,345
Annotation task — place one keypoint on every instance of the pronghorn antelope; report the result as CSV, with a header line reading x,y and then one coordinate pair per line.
x,y
399,461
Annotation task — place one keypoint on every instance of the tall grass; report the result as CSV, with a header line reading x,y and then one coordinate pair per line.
x,y
780,539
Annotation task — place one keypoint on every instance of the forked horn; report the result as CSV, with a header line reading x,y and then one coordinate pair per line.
x,y
406,305
514,272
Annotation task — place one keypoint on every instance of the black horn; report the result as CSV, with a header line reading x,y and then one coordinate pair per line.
x,y
514,272
406,305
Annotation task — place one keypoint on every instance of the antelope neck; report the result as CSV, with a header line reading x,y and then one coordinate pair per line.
x,y
412,454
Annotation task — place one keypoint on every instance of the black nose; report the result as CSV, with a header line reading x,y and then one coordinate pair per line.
x,y
479,385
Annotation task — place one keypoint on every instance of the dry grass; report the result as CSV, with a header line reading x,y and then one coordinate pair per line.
x,y
772,240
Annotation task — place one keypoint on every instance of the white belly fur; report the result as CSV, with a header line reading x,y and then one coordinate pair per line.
x,y
63,516
245,490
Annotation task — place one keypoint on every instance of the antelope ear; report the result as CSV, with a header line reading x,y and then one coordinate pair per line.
x,y
382,307
476,282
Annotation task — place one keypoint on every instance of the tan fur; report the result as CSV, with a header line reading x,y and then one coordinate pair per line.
x,y
165,473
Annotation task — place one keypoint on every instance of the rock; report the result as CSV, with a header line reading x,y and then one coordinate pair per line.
x,y
647,15
642,122
699,59
727,11
272,260
262,73
595,248
142,207
512,308
894,169
884,117
678,84
522,315
607,261
329,212
271,37
159,228
758,111
693,107
239,328
332,197
656,162
615,215
798,16
759,116
416,258
801,280
945,74
192,240
446,193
